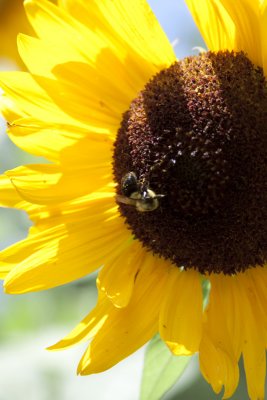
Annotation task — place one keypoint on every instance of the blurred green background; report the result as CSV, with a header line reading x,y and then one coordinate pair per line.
x,y
30,323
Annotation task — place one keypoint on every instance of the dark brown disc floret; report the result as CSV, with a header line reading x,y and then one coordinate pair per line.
x,y
197,136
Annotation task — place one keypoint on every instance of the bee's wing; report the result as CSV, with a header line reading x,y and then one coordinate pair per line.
x,y
125,200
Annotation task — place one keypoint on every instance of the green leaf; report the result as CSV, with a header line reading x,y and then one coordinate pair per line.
x,y
205,291
161,370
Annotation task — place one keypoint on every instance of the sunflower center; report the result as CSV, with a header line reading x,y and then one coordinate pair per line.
x,y
190,161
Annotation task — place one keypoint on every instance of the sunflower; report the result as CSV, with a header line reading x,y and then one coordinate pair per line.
x,y
157,175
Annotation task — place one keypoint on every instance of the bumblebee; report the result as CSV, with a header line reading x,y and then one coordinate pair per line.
x,y
137,195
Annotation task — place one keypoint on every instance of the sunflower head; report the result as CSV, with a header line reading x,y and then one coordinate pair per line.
x,y
197,134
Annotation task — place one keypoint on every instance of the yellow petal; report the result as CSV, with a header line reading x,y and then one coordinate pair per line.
x,y
181,312
128,52
70,211
9,197
13,21
214,23
81,208
218,367
50,184
90,104
30,97
47,102
254,282
91,79
8,194
117,279
73,38
127,329
254,355
88,327
32,50
258,280
246,17
131,23
9,110
60,142
263,27
222,335
62,253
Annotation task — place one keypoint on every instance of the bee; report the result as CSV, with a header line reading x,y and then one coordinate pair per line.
x,y
134,194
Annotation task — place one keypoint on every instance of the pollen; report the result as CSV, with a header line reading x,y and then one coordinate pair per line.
x,y
197,136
